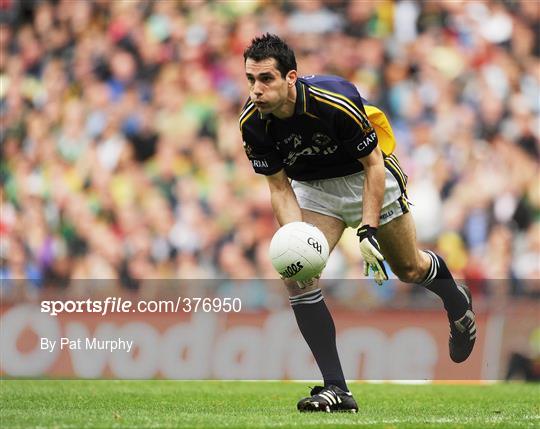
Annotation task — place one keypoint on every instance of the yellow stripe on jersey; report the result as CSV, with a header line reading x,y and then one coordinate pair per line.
x,y
305,97
361,118
244,116
337,106
342,97
375,116
385,135
245,109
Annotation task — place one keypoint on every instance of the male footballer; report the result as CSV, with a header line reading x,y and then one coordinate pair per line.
x,y
327,157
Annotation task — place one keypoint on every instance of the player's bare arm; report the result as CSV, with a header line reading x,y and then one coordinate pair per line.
x,y
283,199
373,187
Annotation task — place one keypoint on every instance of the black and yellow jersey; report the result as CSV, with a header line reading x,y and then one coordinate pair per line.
x,y
332,126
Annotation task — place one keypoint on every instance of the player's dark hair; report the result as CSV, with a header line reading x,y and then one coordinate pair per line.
x,y
271,46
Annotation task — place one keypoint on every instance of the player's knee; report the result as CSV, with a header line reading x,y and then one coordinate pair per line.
x,y
409,273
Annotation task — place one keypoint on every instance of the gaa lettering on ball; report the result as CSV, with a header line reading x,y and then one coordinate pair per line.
x,y
299,251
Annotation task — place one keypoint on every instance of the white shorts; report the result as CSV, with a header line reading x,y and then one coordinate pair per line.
x,y
341,197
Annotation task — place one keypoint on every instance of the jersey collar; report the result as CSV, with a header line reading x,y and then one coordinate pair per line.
x,y
301,105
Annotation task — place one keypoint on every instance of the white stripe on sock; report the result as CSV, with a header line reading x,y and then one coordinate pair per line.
x,y
433,269
308,301
435,258
305,294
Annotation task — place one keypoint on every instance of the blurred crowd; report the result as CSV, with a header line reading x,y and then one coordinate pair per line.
x,y
122,158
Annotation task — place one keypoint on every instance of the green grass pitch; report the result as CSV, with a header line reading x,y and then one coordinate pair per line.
x,y
208,404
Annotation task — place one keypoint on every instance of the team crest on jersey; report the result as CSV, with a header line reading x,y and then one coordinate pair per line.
x,y
320,145
321,139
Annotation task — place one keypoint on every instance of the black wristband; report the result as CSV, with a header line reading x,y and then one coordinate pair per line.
x,y
366,231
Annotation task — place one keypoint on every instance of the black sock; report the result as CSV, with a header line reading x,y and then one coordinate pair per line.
x,y
440,281
317,327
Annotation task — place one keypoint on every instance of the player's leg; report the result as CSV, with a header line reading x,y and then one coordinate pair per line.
x,y
397,240
317,327
332,228
313,317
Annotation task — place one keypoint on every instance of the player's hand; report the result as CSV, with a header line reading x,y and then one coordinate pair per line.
x,y
371,252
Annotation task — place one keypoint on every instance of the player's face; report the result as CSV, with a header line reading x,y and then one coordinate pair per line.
x,y
267,88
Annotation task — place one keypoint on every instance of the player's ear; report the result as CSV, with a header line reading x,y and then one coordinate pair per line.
x,y
291,77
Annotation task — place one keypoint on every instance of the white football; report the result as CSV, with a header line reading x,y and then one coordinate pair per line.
x,y
299,251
